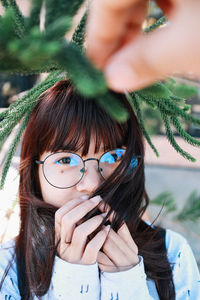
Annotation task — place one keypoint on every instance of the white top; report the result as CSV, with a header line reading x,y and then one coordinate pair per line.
x,y
80,282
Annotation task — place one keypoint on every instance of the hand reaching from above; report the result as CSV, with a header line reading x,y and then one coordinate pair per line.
x,y
132,59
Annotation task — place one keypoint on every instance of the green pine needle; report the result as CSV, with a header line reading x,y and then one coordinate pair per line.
x,y
61,9
30,93
28,101
13,149
57,30
7,31
165,199
18,17
79,33
89,81
136,102
169,104
34,19
169,107
191,209
172,141
187,137
156,91
181,90
112,105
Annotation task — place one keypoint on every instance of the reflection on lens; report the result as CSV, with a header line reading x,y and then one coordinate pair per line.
x,y
62,169
109,161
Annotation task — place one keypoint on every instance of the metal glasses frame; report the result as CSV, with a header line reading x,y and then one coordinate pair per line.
x,y
41,162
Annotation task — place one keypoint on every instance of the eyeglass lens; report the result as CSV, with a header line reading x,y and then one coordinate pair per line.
x,y
65,169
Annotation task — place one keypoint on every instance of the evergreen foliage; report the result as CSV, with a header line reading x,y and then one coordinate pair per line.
x,y
189,212
26,49
166,200
191,209
79,33
136,104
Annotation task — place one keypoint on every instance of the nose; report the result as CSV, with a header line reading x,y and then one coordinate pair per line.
x,y
91,178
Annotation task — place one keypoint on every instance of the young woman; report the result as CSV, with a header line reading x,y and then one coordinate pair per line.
x,y
82,197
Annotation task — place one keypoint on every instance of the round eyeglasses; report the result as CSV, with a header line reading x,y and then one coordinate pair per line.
x,y
66,169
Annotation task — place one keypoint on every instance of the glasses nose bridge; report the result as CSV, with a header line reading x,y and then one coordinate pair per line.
x,y
84,160
88,159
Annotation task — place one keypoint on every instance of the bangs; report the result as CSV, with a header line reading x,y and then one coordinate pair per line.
x,y
69,121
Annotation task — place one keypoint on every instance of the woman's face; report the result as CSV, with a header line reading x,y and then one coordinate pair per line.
x,y
88,184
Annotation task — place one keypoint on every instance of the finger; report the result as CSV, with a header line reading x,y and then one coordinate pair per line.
x,y
93,247
104,207
113,248
125,235
123,231
68,206
153,56
69,220
63,210
107,25
81,234
105,264
104,260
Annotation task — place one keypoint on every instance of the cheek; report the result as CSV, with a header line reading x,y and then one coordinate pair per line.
x,y
52,195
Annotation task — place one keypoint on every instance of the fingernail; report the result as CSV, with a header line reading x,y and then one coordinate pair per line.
x,y
107,228
121,76
104,214
96,199
85,197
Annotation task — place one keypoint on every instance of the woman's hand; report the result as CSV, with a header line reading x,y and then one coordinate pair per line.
x,y
73,246
131,59
119,252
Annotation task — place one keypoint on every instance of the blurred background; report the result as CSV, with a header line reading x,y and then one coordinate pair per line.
x,y
172,182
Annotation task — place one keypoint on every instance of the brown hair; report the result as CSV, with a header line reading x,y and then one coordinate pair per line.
x,y
62,119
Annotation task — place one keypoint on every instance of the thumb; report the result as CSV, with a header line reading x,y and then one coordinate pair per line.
x,y
173,49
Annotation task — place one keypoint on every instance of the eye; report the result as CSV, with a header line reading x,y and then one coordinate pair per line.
x,y
64,160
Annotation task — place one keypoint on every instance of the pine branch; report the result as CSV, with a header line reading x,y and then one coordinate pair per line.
x,y
172,141
136,102
113,106
181,90
191,209
22,109
13,68
7,31
61,9
28,96
156,91
16,112
79,33
18,17
89,81
179,112
13,149
165,199
3,114
34,18
167,105
187,137
57,29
